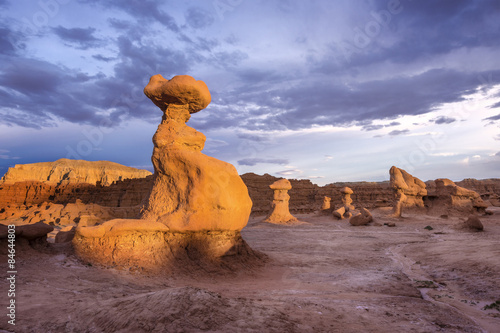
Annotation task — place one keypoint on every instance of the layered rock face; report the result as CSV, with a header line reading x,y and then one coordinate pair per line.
x,y
197,203
65,171
280,213
449,198
408,190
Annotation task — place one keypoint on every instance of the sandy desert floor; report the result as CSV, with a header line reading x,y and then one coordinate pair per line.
x,y
320,276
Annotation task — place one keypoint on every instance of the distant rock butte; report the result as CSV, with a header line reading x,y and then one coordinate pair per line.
x,y
66,171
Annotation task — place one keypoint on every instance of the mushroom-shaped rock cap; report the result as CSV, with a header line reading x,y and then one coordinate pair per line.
x,y
346,190
282,184
180,90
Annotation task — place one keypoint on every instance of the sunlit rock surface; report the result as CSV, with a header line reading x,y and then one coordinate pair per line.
x,y
65,171
196,206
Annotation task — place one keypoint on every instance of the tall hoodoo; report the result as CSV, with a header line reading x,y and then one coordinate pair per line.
x,y
280,210
191,191
197,204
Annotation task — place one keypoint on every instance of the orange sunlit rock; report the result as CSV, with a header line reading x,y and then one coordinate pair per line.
x,y
196,203
180,90
66,171
191,191
280,212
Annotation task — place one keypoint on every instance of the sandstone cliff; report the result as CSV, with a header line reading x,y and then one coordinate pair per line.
x,y
65,171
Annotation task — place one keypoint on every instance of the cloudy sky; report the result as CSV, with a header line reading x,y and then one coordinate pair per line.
x,y
323,90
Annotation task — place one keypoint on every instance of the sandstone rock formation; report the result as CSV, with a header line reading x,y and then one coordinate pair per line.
x,y
26,235
191,191
363,218
326,203
346,197
65,171
62,215
449,198
408,190
196,204
65,235
326,208
280,212
347,209
494,199
28,200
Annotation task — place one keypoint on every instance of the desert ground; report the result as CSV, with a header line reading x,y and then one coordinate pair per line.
x,y
322,275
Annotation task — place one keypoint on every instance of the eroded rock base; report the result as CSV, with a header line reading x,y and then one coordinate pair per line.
x,y
160,251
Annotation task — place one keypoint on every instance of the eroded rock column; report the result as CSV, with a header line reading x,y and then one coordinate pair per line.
x,y
280,211
408,191
197,204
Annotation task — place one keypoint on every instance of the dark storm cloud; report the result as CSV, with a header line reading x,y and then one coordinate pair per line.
x,y
328,102
42,92
443,120
280,98
143,10
83,38
420,29
399,132
38,91
254,161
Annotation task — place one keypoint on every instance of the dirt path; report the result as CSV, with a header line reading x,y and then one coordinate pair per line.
x,y
322,276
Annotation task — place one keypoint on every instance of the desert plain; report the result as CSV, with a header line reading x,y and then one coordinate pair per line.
x,y
321,275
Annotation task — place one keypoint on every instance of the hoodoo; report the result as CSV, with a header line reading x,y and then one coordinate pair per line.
x,y
197,204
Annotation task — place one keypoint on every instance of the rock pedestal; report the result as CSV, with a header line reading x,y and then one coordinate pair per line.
x,y
347,208
408,191
196,204
346,197
280,213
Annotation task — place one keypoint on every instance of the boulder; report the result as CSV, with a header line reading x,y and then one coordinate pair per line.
x,y
363,218
473,223
65,235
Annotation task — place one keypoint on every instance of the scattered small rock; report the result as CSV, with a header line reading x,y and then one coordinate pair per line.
x,y
473,223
